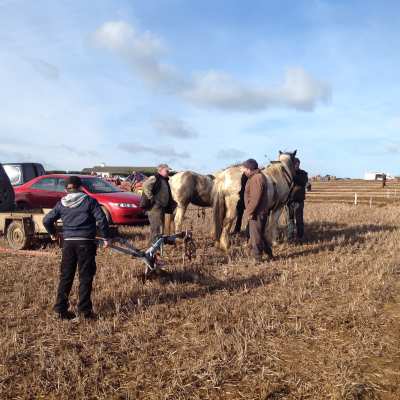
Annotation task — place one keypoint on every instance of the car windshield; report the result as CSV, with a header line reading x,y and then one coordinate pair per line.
x,y
98,185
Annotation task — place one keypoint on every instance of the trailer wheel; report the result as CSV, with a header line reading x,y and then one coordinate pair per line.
x,y
16,236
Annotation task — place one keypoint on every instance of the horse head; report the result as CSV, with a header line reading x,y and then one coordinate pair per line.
x,y
288,158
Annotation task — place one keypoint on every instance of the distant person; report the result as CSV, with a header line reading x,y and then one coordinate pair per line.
x,y
384,181
256,209
79,214
157,199
295,204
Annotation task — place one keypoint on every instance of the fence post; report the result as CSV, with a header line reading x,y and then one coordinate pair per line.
x,y
355,199
370,202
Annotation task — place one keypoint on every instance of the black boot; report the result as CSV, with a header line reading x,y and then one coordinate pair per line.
x,y
66,315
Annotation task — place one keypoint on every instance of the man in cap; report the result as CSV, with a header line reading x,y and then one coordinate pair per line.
x,y
256,203
296,203
80,215
157,199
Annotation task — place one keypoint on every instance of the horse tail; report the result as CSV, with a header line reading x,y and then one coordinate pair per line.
x,y
218,213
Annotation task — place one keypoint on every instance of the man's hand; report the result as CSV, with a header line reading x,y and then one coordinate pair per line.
x,y
107,243
54,238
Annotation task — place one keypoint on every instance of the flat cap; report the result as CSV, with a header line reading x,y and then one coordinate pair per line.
x,y
162,166
251,164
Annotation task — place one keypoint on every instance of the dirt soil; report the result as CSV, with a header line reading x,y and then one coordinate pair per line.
x,y
321,321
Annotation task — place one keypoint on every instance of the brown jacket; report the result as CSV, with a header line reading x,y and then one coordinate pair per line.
x,y
255,194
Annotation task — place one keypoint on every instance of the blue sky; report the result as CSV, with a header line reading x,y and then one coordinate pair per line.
x,y
201,84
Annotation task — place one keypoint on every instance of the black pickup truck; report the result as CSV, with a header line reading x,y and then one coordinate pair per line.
x,y
20,173
6,192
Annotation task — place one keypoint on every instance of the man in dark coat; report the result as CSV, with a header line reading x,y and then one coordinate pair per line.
x,y
157,199
80,215
256,203
296,203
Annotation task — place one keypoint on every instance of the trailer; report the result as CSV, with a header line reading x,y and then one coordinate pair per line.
x,y
22,228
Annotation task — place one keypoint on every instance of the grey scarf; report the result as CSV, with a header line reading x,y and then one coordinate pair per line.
x,y
72,200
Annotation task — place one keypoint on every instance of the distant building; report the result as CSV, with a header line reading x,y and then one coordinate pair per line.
x,y
107,171
377,176
324,178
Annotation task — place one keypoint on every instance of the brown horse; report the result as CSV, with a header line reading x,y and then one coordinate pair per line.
x,y
226,196
189,187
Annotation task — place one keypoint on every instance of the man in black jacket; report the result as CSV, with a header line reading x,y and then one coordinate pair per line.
x,y
157,199
296,203
79,214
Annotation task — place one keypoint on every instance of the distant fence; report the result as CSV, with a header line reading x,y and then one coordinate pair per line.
x,y
355,191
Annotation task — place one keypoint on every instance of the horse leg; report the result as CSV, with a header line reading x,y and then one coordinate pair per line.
x,y
168,224
239,218
272,226
230,216
179,217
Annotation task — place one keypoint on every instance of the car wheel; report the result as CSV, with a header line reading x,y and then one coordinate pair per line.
x,y
108,216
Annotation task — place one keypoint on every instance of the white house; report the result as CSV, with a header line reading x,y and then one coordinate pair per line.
x,y
377,176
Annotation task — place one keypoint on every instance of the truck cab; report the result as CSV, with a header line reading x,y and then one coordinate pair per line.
x,y
20,173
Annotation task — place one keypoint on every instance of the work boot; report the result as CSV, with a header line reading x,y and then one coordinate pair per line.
x,y
89,316
66,315
269,253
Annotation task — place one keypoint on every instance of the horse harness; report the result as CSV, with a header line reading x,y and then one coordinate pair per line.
x,y
289,181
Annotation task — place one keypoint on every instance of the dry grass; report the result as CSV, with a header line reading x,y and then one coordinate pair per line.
x,y
322,321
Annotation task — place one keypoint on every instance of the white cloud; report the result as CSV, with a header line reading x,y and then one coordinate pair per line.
x,y
394,123
141,50
299,91
79,152
212,89
45,69
15,156
231,154
392,148
174,127
160,151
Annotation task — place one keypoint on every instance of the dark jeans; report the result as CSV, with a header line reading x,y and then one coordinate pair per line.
x,y
295,218
258,243
81,253
156,219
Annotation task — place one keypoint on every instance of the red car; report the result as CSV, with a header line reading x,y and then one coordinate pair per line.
x,y
121,208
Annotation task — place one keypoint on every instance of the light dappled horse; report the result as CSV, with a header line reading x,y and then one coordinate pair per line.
x,y
226,196
188,187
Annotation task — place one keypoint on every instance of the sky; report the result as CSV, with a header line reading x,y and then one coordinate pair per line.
x,y
201,85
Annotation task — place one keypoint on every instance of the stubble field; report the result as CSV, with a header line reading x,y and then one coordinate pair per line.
x,y
321,321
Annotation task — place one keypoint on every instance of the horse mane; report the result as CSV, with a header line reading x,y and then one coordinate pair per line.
x,y
274,168
233,166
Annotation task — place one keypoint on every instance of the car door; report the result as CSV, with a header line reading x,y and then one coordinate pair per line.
x,y
44,193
